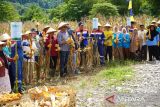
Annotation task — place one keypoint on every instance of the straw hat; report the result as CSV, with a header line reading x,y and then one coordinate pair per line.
x,y
151,25
4,37
158,22
107,25
1,43
99,25
62,24
27,32
50,30
46,27
153,21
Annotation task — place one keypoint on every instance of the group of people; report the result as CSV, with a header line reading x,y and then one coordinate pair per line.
x,y
37,55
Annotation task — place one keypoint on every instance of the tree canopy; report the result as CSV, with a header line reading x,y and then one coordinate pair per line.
x,y
54,10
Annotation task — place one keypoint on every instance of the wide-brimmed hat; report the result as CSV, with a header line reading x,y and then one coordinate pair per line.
x,y
107,25
28,32
50,30
2,43
4,37
62,24
158,22
153,21
151,25
99,25
46,27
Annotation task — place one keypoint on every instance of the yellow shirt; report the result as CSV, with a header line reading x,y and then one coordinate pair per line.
x,y
108,38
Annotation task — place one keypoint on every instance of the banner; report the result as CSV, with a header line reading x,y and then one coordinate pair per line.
x,y
128,21
16,30
95,23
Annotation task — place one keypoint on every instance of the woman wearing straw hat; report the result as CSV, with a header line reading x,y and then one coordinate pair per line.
x,y
29,48
152,42
51,43
108,41
4,76
63,37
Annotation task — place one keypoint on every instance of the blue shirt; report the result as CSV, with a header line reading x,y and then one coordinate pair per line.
x,y
85,34
63,36
99,36
158,30
154,42
120,38
126,40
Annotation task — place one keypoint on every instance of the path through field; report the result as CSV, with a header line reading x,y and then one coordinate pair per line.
x,y
142,91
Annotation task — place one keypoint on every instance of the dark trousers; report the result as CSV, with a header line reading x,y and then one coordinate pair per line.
x,y
101,53
108,52
63,62
153,51
126,53
82,58
159,51
144,52
53,63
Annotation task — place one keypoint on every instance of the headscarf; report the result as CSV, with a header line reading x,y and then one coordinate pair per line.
x,y
153,33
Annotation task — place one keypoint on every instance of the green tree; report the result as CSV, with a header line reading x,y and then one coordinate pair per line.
x,y
105,9
8,12
34,12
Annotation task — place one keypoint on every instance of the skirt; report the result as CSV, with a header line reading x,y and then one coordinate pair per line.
x,y
5,86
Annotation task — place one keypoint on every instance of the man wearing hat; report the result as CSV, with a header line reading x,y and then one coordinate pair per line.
x,y
82,35
108,41
63,38
142,40
51,43
98,37
29,48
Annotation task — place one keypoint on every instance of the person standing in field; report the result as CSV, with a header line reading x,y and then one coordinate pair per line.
x,y
126,43
108,41
134,46
82,35
158,30
50,45
117,44
142,40
29,47
63,37
4,67
72,33
98,39
152,42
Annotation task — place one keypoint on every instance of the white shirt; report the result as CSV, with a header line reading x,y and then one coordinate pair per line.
x,y
141,35
27,49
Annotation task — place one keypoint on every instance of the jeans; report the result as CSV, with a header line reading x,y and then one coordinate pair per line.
x,y
63,62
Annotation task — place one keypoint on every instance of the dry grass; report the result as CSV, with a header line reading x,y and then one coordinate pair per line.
x,y
5,27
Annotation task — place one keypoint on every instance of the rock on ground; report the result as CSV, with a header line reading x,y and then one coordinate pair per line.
x,y
142,91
